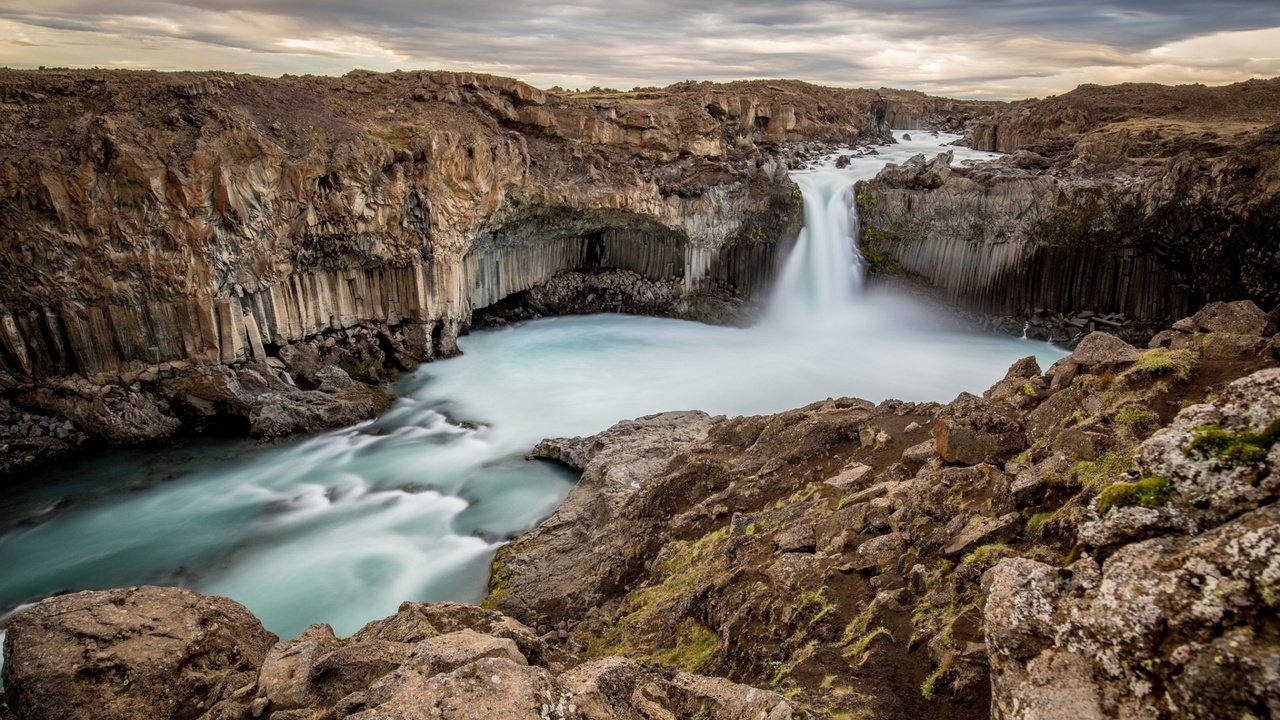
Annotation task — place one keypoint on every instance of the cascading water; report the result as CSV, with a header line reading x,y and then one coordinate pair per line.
x,y
343,526
824,271
823,275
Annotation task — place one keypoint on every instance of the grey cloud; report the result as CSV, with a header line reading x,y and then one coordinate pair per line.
x,y
659,41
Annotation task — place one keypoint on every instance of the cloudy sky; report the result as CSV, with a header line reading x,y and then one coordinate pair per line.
x,y
968,48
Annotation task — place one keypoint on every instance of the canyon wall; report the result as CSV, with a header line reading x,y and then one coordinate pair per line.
x,y
180,249
211,217
1145,201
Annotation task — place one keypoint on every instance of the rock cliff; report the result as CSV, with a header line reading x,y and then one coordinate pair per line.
x,y
165,234
1137,201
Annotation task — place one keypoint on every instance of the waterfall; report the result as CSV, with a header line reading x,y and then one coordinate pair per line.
x,y
824,271
823,275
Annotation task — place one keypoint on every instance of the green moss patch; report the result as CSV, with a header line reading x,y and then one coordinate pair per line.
x,y
1162,361
693,646
1151,492
1137,416
1098,473
376,394
1233,448
988,555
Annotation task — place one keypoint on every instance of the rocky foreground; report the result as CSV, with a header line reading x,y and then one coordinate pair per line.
x,y
1097,540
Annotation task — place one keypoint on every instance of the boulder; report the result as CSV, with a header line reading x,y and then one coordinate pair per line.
x,y
1180,613
131,654
1082,444
285,677
332,378
799,537
1100,351
973,430
1237,318
443,653
850,476
982,531
882,552
415,622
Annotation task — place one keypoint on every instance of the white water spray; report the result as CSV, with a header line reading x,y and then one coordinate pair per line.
x,y
823,276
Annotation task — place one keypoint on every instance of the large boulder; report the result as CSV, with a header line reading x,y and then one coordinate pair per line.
x,y
1237,318
1212,463
131,654
972,430
169,654
1100,351
1180,594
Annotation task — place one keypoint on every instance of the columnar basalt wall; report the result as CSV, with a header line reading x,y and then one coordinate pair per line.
x,y
208,251
1105,204
209,218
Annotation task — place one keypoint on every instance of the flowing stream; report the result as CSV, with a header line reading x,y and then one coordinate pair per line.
x,y
343,526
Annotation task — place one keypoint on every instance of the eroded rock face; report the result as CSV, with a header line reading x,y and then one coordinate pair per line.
x,y
1194,617
263,212
249,215
547,578
148,652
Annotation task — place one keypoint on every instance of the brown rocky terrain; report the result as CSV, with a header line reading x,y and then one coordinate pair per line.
x,y
1136,202
176,244
150,652
842,554
1092,541
1095,539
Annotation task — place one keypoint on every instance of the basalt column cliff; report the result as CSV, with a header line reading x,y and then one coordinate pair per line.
x,y
1134,202
193,249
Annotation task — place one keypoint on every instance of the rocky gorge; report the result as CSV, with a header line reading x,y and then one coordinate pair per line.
x,y
1134,204
181,248
230,254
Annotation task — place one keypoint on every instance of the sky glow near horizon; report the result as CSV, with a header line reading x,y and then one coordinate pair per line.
x,y
1006,49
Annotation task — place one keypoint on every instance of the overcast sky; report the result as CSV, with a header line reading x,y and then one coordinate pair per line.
x,y
970,48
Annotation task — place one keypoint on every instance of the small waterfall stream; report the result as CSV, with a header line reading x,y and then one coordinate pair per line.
x,y
342,526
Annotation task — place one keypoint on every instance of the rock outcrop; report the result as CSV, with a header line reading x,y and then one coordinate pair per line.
x,y
837,552
152,218
1138,203
168,653
1178,617
135,653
